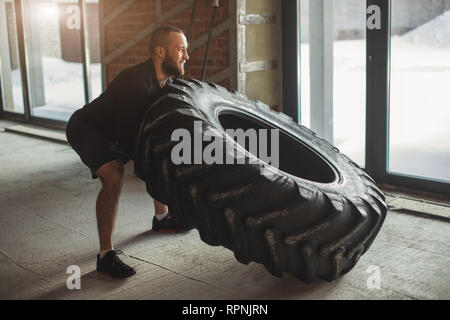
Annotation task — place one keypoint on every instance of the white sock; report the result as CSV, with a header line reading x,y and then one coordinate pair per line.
x,y
103,252
161,216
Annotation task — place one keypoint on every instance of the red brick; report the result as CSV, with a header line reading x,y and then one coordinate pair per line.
x,y
143,12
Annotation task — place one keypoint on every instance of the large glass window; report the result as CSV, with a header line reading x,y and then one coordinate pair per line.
x,y
11,78
304,63
349,78
53,56
55,70
345,56
94,47
419,113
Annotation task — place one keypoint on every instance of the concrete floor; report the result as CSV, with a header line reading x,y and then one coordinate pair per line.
x,y
47,223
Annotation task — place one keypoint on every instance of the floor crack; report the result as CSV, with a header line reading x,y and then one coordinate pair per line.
x,y
403,294
22,267
63,226
178,273
414,248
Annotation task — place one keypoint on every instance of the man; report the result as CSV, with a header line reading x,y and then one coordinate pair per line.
x,y
104,132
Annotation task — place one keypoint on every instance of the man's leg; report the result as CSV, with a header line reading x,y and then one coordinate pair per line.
x,y
111,176
164,222
160,208
96,152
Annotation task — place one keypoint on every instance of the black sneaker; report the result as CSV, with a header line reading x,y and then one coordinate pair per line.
x,y
113,266
168,224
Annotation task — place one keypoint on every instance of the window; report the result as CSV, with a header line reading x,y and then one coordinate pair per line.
x,y
383,88
339,55
11,78
48,52
419,113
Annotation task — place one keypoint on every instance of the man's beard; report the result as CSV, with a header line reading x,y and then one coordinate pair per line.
x,y
170,68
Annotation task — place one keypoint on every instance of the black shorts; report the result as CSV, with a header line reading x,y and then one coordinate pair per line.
x,y
93,147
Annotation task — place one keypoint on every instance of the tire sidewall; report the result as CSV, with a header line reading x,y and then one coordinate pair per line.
x,y
213,100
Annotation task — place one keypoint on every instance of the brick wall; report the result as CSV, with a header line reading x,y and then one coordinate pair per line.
x,y
142,13
49,37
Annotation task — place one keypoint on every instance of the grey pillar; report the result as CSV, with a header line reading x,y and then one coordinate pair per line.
x,y
5,62
241,47
33,54
85,55
321,67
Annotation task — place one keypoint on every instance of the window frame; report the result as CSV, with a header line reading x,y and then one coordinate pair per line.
x,y
378,42
27,116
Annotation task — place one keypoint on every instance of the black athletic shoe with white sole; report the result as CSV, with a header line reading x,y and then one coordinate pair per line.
x,y
111,265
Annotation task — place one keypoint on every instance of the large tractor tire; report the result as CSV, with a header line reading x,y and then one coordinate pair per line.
x,y
313,216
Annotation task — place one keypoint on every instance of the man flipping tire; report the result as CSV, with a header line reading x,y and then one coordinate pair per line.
x,y
104,132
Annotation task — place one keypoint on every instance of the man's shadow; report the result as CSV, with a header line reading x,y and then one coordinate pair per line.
x,y
95,283
99,286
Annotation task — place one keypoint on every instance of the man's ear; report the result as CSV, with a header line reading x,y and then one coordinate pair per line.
x,y
160,52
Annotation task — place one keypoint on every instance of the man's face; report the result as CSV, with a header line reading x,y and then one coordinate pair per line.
x,y
176,55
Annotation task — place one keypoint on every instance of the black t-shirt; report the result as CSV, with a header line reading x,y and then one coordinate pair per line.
x,y
119,110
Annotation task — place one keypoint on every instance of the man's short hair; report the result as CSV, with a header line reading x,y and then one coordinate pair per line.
x,y
159,37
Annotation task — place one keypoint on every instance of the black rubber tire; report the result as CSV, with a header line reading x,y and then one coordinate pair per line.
x,y
316,223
